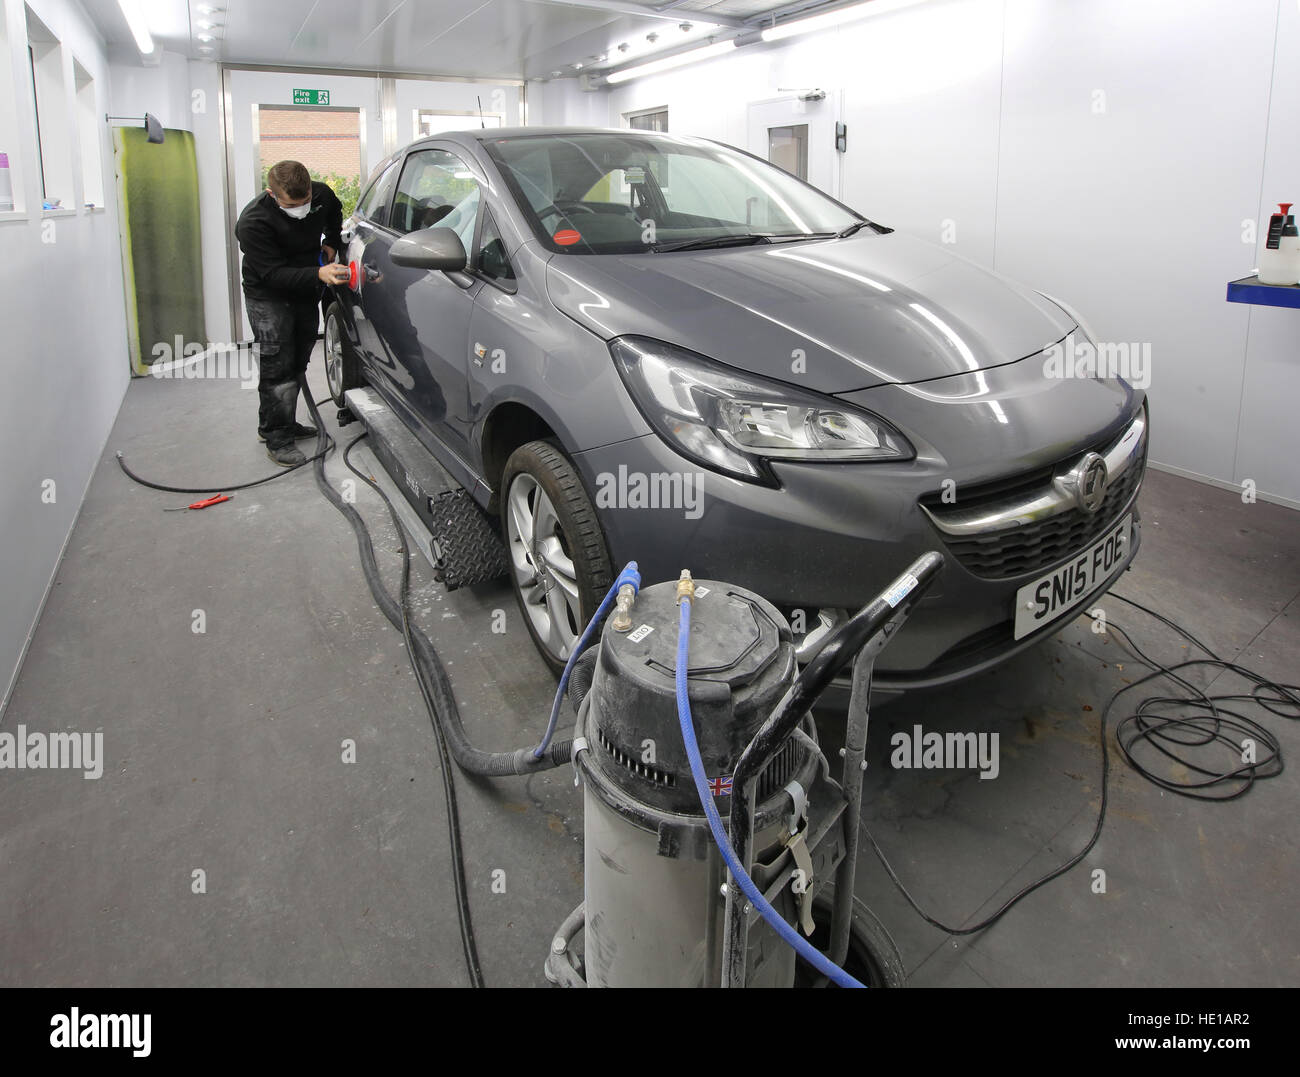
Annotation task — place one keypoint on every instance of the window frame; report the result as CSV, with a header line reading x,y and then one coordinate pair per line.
x,y
451,151
380,173
511,286
639,113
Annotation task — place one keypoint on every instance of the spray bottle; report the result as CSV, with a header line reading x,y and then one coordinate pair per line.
x,y
1279,262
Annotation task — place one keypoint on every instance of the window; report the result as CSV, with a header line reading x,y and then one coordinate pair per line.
x,y
432,122
787,147
436,188
654,119
53,138
327,139
493,261
374,203
88,127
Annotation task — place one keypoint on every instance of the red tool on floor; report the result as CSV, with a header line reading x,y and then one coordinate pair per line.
x,y
216,500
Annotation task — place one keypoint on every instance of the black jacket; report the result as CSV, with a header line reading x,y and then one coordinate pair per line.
x,y
282,255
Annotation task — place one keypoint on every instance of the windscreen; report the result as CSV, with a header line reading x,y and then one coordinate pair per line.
x,y
620,193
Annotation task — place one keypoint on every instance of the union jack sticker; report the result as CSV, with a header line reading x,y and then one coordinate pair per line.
x,y
721,786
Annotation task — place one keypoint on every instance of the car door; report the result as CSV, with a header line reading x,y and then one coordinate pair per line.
x,y
422,317
360,232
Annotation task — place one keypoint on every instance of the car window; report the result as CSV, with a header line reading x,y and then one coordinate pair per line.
x,y
492,260
436,188
374,202
599,192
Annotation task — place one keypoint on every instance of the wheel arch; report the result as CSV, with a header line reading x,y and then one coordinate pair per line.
x,y
508,425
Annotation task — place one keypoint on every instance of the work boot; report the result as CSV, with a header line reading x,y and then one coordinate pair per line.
x,y
288,456
300,432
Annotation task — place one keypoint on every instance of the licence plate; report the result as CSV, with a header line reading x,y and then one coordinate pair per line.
x,y
1052,596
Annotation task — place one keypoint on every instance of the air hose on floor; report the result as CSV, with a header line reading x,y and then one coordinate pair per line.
x,y
329,444
468,943
425,658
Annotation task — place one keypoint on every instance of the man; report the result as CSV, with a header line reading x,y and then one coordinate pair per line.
x,y
280,233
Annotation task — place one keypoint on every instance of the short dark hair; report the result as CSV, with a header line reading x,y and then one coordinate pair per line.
x,y
289,178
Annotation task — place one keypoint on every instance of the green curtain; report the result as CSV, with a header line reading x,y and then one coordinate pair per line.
x,y
159,187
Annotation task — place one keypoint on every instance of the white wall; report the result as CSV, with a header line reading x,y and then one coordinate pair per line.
x,y
1106,152
64,374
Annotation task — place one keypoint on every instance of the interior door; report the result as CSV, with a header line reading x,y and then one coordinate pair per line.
x,y
798,136
422,317
335,134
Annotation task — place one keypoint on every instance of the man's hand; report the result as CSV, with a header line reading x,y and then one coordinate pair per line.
x,y
333,274
329,252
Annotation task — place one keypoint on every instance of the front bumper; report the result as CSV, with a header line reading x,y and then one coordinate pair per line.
x,y
830,536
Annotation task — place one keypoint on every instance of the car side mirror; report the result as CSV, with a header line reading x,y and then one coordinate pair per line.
x,y
430,248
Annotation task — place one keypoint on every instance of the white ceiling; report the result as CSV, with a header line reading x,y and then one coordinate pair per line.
x,y
514,38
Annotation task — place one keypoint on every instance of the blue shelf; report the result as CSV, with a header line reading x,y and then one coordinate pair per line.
x,y
1249,290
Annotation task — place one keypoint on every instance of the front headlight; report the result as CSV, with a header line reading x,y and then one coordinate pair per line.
x,y
732,421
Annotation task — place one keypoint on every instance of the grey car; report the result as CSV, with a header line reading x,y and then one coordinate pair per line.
x,y
636,346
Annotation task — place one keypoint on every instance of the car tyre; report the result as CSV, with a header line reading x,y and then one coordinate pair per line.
x,y
559,564
342,364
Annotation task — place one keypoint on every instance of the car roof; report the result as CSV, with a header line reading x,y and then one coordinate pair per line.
x,y
491,134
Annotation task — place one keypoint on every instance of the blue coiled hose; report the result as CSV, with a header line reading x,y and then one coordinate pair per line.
x,y
631,575
802,946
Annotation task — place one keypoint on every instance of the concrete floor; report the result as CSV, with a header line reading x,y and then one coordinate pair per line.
x,y
223,753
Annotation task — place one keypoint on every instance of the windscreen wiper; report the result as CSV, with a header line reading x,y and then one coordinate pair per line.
x,y
851,229
743,239
732,240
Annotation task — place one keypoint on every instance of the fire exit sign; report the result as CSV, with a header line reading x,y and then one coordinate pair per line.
x,y
311,97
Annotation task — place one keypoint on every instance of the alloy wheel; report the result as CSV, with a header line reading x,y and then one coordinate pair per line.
x,y
334,358
543,567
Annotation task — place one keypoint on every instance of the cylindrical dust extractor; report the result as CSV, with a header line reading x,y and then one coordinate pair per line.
x,y
653,899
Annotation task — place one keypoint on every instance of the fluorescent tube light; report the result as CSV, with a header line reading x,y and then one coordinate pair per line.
x,y
833,18
653,67
139,28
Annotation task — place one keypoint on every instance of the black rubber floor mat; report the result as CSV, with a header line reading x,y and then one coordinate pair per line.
x,y
466,544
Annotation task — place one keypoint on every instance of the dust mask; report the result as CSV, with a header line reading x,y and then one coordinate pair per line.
x,y
297,212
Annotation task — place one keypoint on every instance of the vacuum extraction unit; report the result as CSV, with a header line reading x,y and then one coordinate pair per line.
x,y
663,904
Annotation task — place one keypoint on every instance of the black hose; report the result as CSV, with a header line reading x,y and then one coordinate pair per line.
x,y
443,708
328,445
583,673
371,570
311,406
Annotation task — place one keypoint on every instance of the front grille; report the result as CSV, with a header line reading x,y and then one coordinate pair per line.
x,y
1027,548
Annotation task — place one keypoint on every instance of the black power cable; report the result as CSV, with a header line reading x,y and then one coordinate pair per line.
x,y
121,462
468,942
1255,751
1149,725
311,406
